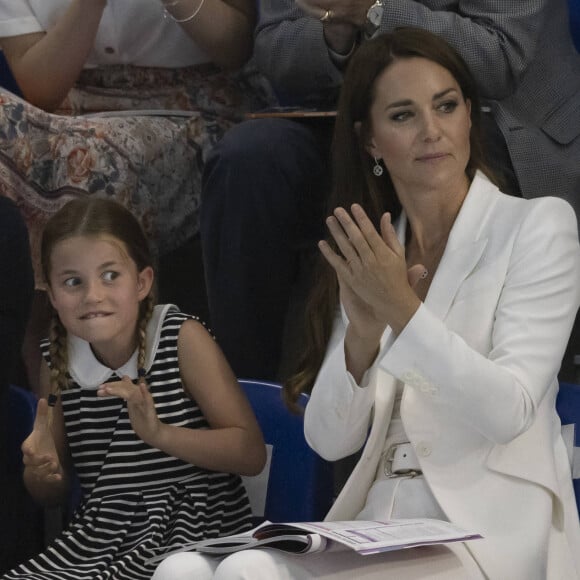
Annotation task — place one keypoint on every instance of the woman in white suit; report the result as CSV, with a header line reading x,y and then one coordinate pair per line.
x,y
454,305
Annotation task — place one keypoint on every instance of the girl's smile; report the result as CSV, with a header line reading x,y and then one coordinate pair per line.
x,y
96,289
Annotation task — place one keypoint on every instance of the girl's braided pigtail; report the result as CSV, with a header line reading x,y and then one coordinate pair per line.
x,y
58,349
146,312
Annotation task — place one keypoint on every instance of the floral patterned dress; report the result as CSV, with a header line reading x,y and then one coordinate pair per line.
x,y
150,160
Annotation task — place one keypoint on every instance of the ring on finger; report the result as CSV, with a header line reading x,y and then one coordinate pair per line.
x,y
327,16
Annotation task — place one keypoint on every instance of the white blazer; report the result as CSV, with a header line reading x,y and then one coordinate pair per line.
x,y
479,360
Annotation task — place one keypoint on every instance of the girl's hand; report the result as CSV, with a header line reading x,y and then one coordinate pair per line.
x,y
40,456
140,406
375,283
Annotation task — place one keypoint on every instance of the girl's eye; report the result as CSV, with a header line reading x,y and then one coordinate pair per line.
x,y
448,106
72,282
109,275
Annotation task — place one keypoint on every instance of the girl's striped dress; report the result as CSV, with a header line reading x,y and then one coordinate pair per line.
x,y
137,501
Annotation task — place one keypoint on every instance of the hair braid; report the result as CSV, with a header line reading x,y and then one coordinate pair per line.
x,y
58,350
147,307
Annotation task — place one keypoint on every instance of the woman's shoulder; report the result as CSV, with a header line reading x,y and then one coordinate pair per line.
x,y
551,214
550,211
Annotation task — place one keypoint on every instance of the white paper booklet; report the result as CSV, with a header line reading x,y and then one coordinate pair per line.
x,y
364,537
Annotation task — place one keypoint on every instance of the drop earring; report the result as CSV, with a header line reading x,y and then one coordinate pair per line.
x,y
377,167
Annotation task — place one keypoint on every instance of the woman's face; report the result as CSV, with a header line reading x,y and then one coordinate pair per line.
x,y
420,126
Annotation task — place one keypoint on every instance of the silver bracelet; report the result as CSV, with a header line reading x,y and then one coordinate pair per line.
x,y
180,20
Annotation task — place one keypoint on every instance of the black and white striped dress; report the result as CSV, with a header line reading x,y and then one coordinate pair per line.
x,y
138,501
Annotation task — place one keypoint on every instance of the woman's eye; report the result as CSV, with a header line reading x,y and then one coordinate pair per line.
x,y
109,275
448,106
401,116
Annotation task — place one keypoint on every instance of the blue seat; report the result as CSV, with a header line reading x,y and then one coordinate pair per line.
x,y
568,407
21,413
297,484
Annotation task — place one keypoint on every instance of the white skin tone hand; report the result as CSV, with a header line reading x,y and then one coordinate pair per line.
x,y
40,456
140,406
376,286
347,17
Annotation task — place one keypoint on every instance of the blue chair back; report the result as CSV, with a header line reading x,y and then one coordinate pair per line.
x,y
568,407
21,413
299,482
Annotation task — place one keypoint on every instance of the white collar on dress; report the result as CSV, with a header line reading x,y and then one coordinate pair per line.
x,y
87,371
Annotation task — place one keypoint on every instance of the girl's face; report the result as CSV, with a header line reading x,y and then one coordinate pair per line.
x,y
420,126
96,289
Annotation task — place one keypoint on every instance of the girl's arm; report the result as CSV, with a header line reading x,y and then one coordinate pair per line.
x,y
233,443
222,28
45,453
47,64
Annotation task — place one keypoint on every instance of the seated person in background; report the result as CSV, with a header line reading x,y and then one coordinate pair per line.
x,y
439,325
80,56
16,286
262,182
141,405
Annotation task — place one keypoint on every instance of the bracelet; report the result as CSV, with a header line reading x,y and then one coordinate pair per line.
x,y
180,20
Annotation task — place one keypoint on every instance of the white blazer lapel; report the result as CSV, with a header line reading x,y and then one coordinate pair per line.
x,y
465,247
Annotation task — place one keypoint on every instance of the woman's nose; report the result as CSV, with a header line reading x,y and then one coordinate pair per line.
x,y
431,129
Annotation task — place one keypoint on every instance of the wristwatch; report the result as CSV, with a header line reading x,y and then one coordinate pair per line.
x,y
374,19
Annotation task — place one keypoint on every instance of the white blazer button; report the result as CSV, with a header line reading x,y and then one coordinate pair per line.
x,y
423,449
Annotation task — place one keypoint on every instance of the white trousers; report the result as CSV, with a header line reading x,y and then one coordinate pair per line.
x,y
449,562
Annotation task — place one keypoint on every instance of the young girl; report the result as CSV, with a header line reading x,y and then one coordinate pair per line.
x,y
142,404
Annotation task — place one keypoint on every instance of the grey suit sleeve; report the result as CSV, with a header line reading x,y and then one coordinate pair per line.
x,y
291,52
497,38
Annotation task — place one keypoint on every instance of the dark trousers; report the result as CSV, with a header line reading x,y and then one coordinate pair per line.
x,y
262,207
18,530
263,204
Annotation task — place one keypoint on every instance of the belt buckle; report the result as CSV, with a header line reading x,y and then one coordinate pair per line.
x,y
389,457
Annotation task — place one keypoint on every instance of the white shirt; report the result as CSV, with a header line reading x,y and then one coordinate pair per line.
x,y
131,32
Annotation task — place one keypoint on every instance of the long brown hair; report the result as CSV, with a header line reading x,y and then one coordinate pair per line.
x,y
352,178
93,217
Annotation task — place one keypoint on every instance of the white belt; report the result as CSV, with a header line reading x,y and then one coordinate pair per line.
x,y
400,460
